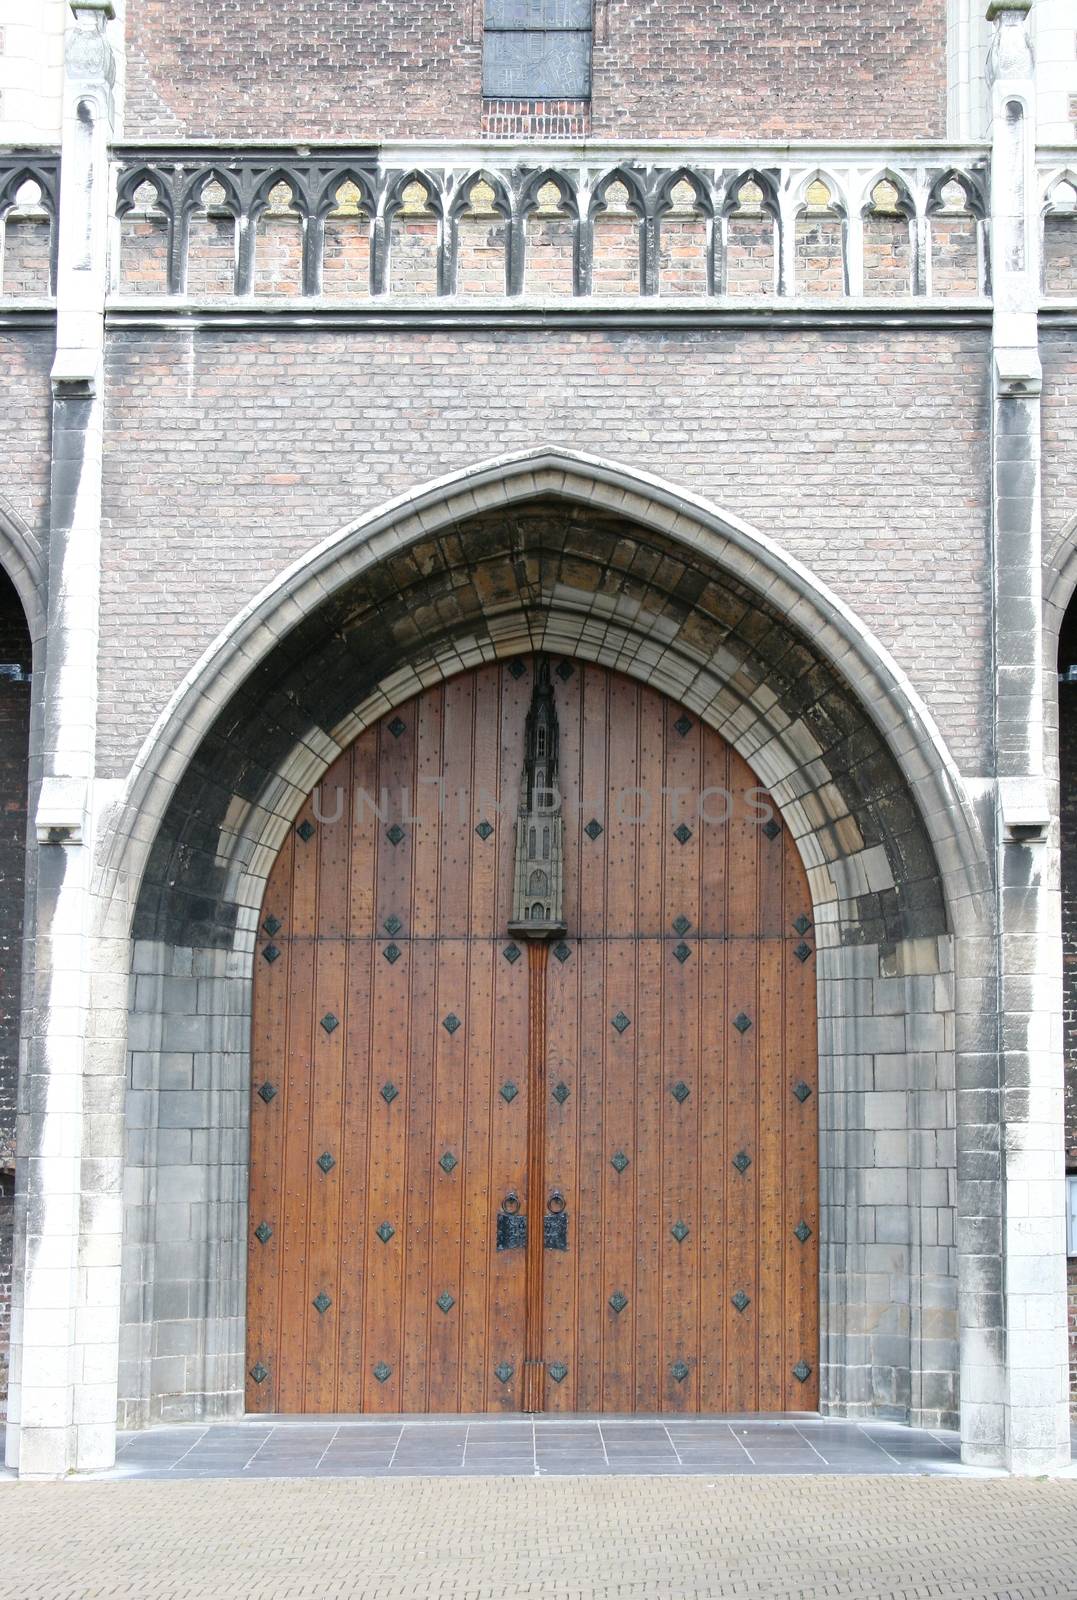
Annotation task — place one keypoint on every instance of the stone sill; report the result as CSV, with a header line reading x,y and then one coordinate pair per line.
x,y
410,152
589,304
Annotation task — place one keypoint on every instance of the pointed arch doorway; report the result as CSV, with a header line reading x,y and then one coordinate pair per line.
x,y
576,1172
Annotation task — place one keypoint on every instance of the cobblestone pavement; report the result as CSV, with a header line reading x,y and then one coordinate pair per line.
x,y
473,1446
521,1538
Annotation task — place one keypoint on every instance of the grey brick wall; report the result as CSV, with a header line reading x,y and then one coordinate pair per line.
x,y
25,361
1058,352
229,454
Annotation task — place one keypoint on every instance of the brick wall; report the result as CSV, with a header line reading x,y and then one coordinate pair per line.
x,y
25,361
231,453
1058,351
356,69
14,739
1060,255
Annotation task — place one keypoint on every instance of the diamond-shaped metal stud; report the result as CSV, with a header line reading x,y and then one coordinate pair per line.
x,y
321,1302
484,829
802,951
803,1232
394,834
267,1093
509,1092
448,1161
772,828
619,1161
383,1371
802,1090
305,830
388,1092
679,1231
682,832
392,953
564,671
742,1022
517,669
259,1373
679,1370
503,1372
680,1092
451,1023
560,1093
263,1233
511,953
741,1300
801,923
272,925
681,925
562,951
742,1160
558,1371
271,953
326,1162
445,1301
397,727
330,1023
621,1022
618,1301
682,952
802,1372
683,725
594,829
385,1231
392,925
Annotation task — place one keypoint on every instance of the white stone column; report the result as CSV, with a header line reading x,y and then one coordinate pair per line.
x,y
1010,1190
31,71
1054,33
67,1279
967,38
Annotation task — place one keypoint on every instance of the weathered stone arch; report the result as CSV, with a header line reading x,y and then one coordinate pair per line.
x,y
577,557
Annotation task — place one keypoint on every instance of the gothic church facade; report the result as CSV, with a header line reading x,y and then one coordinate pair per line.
x,y
540,795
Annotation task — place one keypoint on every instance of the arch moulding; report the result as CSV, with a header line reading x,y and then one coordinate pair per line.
x,y
747,639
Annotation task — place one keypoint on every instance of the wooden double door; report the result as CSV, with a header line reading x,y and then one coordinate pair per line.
x,y
578,1174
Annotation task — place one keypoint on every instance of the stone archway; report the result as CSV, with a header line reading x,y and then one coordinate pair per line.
x,y
557,553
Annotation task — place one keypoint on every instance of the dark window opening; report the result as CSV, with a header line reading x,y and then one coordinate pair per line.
x,y
537,50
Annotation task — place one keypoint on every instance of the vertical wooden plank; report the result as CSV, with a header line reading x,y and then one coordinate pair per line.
x,y
269,1022
453,1041
299,1169
391,1032
682,844
712,1152
366,1120
592,1027
622,1000
742,1106
423,904
653,959
332,842
475,1242
503,1346
800,1199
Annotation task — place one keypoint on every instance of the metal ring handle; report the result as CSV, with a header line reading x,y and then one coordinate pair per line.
x,y
511,1203
556,1203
